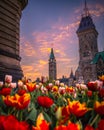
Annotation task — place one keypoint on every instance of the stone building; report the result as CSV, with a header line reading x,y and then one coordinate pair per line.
x,y
52,66
10,14
70,81
87,36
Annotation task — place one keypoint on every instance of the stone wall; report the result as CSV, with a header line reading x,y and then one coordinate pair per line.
x,y
10,14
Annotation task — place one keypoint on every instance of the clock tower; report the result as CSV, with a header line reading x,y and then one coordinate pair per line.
x,y
87,35
52,66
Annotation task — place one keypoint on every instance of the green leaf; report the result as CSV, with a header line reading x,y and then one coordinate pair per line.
x,y
47,117
32,115
31,105
37,93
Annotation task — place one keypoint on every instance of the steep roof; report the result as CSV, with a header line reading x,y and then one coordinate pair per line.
x,y
86,23
97,56
71,74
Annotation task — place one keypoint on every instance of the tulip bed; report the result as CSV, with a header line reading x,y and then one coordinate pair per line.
x,y
29,105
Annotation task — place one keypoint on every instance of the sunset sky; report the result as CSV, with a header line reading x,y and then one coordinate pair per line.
x,y
47,24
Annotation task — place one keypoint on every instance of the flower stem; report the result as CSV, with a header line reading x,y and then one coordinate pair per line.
x,y
96,117
21,113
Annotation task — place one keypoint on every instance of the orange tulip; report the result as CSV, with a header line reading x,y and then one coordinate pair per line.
x,y
11,100
20,102
77,108
23,101
101,77
70,90
99,107
55,89
41,123
31,86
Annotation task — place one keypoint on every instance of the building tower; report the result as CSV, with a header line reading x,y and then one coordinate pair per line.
x,y
87,35
10,14
52,66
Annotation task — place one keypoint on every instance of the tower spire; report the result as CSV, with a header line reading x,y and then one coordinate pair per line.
x,y
86,11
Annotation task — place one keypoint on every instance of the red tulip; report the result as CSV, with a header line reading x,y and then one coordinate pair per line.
x,y
11,123
101,125
44,101
88,127
5,91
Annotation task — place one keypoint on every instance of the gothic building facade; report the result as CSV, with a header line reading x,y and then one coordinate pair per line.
x,y
87,35
88,49
52,66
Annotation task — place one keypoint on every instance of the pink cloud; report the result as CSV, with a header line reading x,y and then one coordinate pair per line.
x,y
27,49
37,49
98,10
